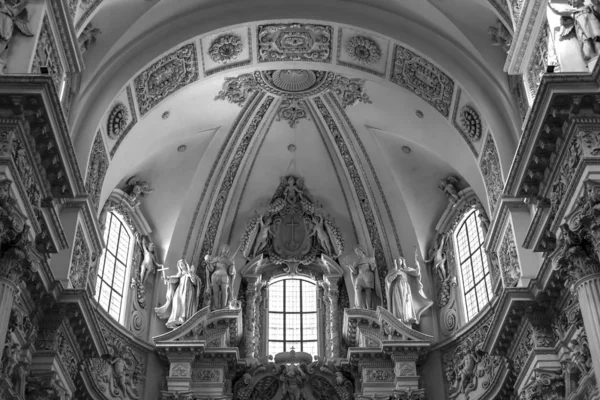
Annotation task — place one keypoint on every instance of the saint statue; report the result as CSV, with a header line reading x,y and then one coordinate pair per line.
x,y
584,16
405,297
438,258
12,15
220,272
182,295
149,262
364,278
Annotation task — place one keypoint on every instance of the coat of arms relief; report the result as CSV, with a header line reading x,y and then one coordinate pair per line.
x,y
292,231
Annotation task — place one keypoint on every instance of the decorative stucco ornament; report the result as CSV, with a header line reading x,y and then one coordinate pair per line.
x,y
350,90
492,173
363,50
237,90
80,261
96,169
470,123
117,121
292,110
509,260
294,42
225,48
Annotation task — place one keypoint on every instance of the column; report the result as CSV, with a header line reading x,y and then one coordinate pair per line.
x,y
333,295
588,294
253,298
7,292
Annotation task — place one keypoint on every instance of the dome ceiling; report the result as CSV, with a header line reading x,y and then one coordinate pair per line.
x,y
215,121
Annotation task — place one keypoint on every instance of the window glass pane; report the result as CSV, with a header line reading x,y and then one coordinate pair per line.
x,y
309,297
310,347
292,295
473,264
276,326
292,327
276,296
289,346
112,271
275,347
293,320
309,326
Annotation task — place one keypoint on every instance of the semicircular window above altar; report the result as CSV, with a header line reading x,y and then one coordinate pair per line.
x,y
292,316
473,264
113,266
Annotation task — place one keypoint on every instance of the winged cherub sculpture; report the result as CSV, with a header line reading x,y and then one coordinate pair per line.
x,y
12,16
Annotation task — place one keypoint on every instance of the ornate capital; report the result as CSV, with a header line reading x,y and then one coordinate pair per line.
x,y
544,384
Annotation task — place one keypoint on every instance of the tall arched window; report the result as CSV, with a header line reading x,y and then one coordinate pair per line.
x,y
474,269
113,266
293,316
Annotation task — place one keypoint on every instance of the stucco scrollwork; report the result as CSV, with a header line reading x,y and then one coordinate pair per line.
x,y
363,50
97,167
492,175
225,48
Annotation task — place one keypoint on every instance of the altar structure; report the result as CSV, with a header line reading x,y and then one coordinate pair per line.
x,y
260,199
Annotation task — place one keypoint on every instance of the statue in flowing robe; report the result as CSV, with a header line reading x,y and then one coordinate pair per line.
x,y
182,296
405,297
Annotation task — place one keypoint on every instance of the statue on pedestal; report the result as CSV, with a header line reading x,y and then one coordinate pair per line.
x,y
365,279
12,15
182,295
220,272
405,297
438,258
149,263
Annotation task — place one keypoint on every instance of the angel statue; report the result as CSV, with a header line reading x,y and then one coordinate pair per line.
x,y
365,278
136,188
220,272
149,263
319,229
292,193
182,295
405,297
12,15
292,378
584,16
449,185
262,238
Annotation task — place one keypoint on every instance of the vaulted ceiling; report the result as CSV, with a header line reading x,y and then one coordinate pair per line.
x,y
433,95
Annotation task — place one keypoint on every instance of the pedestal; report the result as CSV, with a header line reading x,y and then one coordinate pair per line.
x,y
588,292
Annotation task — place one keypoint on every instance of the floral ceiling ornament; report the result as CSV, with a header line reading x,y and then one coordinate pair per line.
x,y
363,50
470,123
117,121
225,48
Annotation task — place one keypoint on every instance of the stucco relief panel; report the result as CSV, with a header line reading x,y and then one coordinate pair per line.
x,y
97,167
422,78
294,42
120,119
167,75
492,173
80,261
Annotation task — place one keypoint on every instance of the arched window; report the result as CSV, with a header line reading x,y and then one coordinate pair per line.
x,y
113,266
292,318
474,269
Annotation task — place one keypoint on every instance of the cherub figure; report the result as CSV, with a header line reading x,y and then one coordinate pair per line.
x,y
87,38
12,15
449,185
291,192
11,358
137,188
149,263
